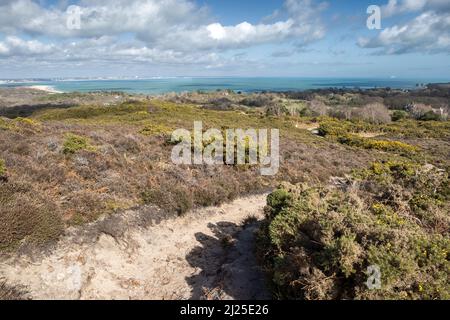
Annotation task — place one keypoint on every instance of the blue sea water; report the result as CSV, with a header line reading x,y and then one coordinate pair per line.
x,y
183,84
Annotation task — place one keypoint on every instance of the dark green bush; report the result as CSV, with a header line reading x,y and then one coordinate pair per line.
x,y
399,115
430,116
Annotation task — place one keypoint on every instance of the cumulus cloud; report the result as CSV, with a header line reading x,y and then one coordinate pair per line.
x,y
100,17
395,7
15,46
429,32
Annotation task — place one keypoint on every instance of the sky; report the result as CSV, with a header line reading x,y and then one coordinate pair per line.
x,y
253,38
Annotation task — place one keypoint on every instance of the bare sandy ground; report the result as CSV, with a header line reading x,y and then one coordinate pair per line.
x,y
206,254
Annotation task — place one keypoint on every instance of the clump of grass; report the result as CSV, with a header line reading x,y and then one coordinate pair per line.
x,y
318,241
74,143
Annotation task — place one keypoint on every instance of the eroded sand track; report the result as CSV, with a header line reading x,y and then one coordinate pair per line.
x,y
204,254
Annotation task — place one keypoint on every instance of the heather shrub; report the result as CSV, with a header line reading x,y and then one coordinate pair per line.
x,y
172,199
26,218
257,101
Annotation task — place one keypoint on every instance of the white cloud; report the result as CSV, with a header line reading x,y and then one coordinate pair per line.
x,y
15,46
395,7
428,32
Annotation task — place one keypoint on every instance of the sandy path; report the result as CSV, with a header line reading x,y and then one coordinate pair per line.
x,y
182,258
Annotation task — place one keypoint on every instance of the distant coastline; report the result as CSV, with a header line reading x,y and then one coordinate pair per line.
x,y
162,85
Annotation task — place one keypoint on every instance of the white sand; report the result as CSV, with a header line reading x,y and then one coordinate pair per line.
x,y
48,89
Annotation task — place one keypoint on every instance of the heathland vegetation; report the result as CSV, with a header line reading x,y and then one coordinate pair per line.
x,y
363,178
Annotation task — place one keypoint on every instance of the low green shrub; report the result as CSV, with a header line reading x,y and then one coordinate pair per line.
x,y
399,115
2,168
155,129
74,143
430,116
333,127
5,124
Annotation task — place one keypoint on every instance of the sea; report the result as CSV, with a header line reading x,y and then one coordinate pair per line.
x,y
160,85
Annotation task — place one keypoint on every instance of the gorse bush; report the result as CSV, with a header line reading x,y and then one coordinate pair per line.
x,y
74,143
406,128
4,124
151,130
346,133
384,145
20,124
2,168
318,241
27,122
331,127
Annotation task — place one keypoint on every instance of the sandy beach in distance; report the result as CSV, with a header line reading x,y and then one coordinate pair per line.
x,y
48,89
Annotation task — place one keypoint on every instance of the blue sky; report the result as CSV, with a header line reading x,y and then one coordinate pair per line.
x,y
301,38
